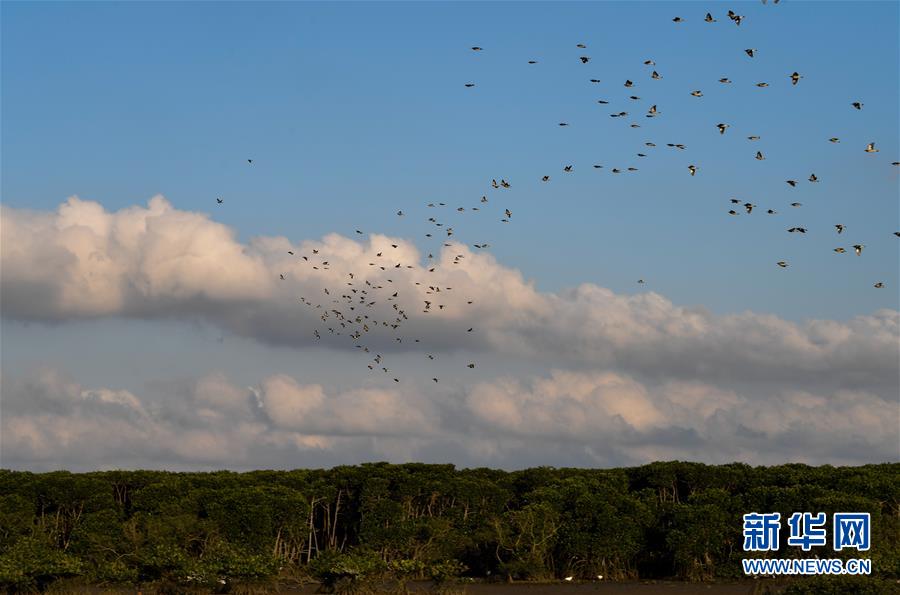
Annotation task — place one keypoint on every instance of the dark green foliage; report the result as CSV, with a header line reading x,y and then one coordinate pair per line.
x,y
355,527
32,562
347,572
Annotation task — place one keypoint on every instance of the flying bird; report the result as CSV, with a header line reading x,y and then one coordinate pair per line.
x,y
782,264
709,18
870,148
795,78
858,248
219,200
839,227
750,51
722,128
692,169
735,17
857,105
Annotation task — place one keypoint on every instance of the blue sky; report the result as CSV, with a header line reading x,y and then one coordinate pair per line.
x,y
352,111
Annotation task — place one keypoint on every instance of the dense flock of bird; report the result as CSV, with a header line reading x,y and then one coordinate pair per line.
x,y
366,309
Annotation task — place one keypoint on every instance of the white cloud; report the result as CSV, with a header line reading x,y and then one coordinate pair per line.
x,y
635,377
159,262
566,418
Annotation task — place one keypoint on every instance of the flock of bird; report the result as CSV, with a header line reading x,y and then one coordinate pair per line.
x,y
366,308
653,112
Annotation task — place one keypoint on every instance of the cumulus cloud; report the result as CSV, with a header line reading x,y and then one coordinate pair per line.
x,y
564,418
82,261
618,418
372,412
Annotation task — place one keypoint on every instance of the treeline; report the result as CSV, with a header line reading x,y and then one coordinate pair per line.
x,y
662,520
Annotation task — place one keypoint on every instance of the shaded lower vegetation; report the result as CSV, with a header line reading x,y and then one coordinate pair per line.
x,y
350,527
